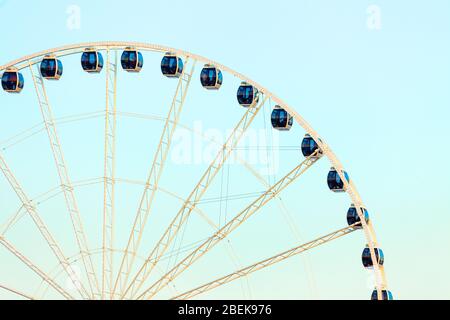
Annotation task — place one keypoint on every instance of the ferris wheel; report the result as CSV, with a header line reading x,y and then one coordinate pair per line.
x,y
112,236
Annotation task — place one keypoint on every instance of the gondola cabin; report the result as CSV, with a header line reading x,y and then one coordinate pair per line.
x,y
385,295
247,95
92,61
310,146
171,65
335,183
211,77
281,119
367,258
12,80
353,217
51,68
132,60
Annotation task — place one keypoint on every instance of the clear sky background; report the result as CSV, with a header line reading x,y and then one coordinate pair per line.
x,y
376,90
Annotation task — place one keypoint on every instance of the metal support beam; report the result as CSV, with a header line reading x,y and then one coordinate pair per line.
x,y
109,176
238,220
154,176
66,184
194,197
265,263
12,221
35,269
23,295
31,210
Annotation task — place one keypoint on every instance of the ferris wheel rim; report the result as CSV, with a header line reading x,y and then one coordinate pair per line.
x,y
350,188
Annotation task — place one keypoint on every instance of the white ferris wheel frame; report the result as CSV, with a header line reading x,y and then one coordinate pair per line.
x,y
350,188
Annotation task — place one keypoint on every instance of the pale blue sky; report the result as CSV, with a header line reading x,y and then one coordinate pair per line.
x,y
380,98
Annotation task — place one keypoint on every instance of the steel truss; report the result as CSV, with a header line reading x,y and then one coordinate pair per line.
x,y
265,263
109,175
31,210
154,176
127,181
34,268
238,220
194,197
23,295
64,179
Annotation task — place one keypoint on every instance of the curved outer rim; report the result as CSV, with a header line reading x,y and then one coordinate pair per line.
x,y
353,193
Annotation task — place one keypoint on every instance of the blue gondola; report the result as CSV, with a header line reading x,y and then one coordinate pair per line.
x,y
367,259
51,68
12,80
132,60
247,95
309,146
281,119
92,61
353,217
211,77
171,66
385,295
335,182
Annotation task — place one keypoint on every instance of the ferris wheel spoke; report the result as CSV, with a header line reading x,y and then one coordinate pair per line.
x,y
109,175
238,220
31,210
66,184
21,212
265,263
154,176
230,252
12,220
194,197
34,268
257,175
17,292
